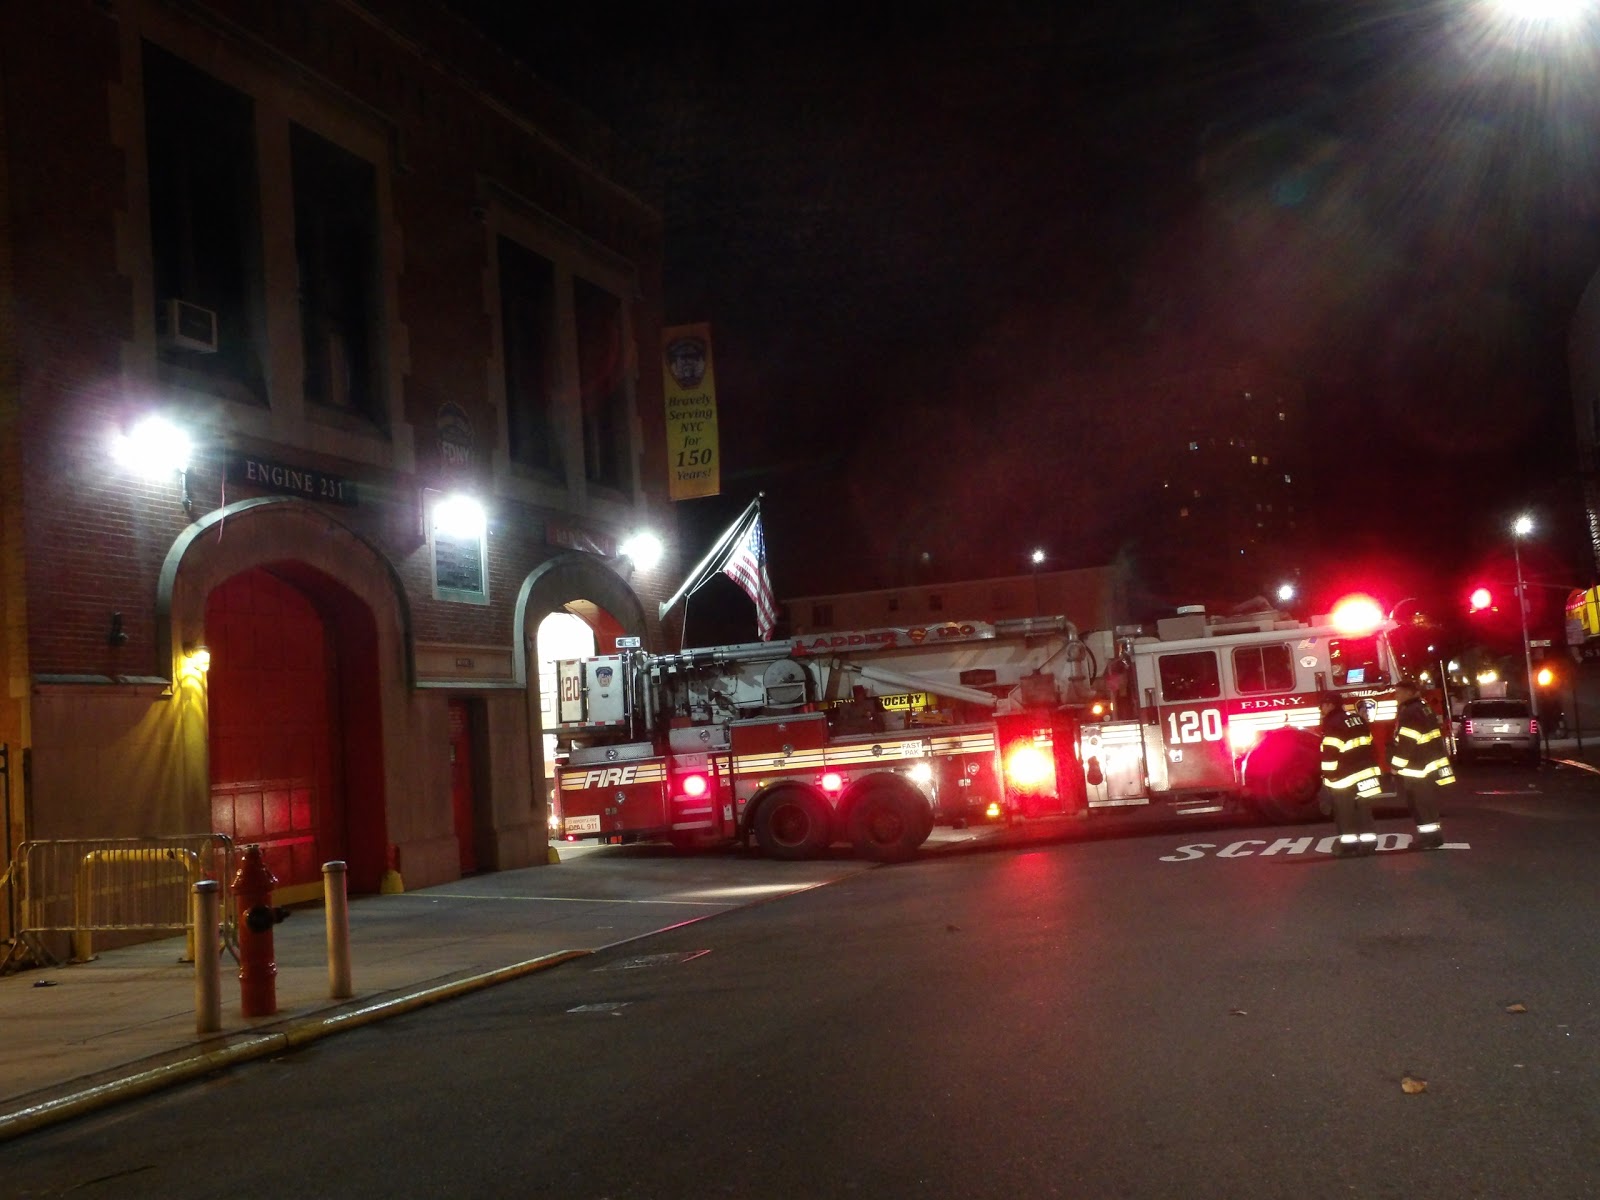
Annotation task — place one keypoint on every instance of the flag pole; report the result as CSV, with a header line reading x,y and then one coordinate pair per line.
x,y
709,561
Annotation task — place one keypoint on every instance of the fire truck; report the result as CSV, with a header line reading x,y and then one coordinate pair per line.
x,y
874,737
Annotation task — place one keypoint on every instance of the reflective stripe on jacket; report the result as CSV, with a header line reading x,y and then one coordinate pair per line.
x,y
1418,750
1348,759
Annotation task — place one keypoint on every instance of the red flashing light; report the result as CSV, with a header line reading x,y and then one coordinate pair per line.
x,y
1028,767
1357,614
1243,737
1481,599
832,781
695,785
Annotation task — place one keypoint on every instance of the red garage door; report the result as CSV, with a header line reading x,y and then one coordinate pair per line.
x,y
274,755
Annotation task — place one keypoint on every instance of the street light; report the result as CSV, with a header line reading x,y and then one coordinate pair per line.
x,y
1036,558
1521,528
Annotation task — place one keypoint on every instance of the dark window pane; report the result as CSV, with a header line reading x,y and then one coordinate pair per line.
x,y
335,239
528,317
602,384
1192,676
205,235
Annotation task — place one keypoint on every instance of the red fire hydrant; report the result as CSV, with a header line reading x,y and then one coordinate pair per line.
x,y
258,967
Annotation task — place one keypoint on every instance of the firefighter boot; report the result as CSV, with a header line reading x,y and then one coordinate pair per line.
x,y
1430,836
1347,846
1367,844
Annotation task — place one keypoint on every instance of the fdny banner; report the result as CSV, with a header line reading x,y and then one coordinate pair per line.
x,y
694,468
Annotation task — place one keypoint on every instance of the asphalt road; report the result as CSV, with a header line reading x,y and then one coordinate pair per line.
x,y
1223,1013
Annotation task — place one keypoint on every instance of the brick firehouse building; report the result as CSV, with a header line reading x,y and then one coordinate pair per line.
x,y
389,298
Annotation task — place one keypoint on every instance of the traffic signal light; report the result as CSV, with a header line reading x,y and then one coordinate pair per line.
x,y
1545,677
1480,599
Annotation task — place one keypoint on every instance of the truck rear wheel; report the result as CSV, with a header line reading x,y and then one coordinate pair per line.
x,y
888,823
793,823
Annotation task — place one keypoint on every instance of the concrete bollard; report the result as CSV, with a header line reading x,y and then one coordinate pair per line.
x,y
336,905
205,935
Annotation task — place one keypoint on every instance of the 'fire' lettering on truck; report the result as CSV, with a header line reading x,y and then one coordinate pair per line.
x,y
608,777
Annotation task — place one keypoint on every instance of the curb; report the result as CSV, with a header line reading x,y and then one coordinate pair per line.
x,y
299,1033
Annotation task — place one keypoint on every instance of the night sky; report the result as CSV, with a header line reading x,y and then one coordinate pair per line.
x,y
912,226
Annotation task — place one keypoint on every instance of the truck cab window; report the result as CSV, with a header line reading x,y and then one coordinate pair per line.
x,y
1356,662
1263,669
1192,676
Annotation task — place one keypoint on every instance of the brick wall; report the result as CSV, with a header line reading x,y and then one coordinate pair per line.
x,y
96,536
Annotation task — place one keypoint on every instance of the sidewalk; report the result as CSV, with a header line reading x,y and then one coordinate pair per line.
x,y
79,1037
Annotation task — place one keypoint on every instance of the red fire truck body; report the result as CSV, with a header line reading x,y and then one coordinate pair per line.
x,y
874,737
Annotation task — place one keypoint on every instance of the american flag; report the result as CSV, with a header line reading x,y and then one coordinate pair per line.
x,y
747,566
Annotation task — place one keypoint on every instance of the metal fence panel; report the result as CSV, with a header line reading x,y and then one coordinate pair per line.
x,y
84,886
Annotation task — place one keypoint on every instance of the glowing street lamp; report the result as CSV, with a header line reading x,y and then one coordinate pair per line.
x,y
1541,12
1521,528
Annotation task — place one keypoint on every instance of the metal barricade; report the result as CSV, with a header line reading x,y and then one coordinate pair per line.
x,y
84,886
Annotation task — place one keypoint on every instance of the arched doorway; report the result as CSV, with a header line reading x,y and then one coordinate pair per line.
x,y
294,755
589,606
560,635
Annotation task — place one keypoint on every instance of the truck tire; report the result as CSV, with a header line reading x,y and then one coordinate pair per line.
x,y
888,822
1283,775
793,823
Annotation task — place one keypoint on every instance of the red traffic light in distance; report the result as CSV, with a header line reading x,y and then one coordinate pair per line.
x,y
1480,599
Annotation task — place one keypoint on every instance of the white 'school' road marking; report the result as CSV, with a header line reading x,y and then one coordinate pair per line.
x,y
1301,845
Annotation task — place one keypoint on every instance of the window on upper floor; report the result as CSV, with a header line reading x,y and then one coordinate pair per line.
x,y
602,385
205,228
528,318
336,249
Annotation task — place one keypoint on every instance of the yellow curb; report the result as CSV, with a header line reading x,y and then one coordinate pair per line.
x,y
1582,766
64,1108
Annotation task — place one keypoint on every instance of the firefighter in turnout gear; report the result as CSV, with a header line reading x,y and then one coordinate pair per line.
x,y
1420,763
1350,774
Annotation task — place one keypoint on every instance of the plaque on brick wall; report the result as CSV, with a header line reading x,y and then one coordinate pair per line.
x,y
459,568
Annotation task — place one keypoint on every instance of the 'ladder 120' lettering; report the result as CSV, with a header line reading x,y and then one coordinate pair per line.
x,y
1194,725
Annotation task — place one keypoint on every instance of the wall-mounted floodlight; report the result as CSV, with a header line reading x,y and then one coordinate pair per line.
x,y
644,549
460,516
196,660
156,449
